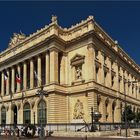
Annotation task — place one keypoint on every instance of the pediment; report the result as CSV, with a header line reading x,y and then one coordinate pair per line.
x,y
77,59
16,39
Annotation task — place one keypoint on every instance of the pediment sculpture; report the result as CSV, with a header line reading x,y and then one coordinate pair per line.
x,y
16,39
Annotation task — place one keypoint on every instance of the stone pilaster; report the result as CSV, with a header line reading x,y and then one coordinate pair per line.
x,y
109,74
101,70
66,69
25,75
19,72
109,110
47,68
62,71
9,114
53,66
39,70
103,109
116,78
20,113
13,80
117,112
92,101
91,62
31,74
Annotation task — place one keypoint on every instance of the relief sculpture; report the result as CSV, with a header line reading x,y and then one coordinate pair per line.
x,y
78,110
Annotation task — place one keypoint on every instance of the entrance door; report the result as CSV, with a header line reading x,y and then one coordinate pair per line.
x,y
15,115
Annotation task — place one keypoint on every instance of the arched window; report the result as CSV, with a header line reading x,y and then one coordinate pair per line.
x,y
3,115
26,114
42,112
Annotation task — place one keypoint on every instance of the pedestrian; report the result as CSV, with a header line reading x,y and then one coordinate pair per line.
x,y
17,133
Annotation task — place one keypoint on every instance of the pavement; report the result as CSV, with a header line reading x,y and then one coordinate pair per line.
x,y
73,138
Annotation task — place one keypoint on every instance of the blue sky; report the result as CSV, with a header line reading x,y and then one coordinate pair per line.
x,y
121,20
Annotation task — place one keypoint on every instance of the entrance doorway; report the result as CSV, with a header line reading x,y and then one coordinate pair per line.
x,y
15,115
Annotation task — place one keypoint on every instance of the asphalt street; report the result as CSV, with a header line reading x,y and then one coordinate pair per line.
x,y
72,138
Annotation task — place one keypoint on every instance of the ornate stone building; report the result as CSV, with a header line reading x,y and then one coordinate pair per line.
x,y
79,67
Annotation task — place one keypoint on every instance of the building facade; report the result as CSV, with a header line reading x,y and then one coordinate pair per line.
x,y
79,67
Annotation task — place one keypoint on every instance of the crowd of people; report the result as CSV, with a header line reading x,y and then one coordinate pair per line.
x,y
28,131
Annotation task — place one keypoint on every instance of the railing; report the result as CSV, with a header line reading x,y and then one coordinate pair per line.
x,y
78,127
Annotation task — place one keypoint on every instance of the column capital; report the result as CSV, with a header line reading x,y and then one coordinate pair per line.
x,y
91,45
54,49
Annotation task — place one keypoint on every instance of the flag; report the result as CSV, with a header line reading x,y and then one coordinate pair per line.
x,y
5,76
37,77
18,79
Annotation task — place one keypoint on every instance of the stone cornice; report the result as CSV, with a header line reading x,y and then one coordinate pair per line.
x,y
69,35
114,46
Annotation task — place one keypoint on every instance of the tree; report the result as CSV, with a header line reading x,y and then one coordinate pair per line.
x,y
130,115
137,117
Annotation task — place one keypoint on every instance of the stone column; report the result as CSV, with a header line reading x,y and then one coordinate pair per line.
x,y
39,81
91,62
25,75
31,74
13,80
47,68
53,66
19,72
2,84
8,82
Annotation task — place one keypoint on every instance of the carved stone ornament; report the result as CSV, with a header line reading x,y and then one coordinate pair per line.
x,y
77,60
16,39
78,110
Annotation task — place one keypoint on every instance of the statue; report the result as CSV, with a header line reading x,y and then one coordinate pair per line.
x,y
54,19
78,110
78,72
17,38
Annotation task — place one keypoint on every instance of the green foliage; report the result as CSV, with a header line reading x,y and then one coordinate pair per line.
x,y
130,115
137,117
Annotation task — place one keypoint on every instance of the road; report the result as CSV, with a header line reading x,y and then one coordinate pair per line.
x,y
64,138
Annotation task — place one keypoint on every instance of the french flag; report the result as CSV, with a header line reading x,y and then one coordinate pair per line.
x,y
18,79
5,76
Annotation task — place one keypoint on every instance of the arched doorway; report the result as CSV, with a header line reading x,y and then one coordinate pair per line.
x,y
15,114
113,110
3,115
42,119
26,114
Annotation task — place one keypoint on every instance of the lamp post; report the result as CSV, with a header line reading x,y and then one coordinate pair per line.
x,y
126,105
92,126
34,118
96,116
41,93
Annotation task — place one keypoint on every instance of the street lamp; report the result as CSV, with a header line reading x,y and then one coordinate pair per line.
x,y
96,116
92,126
41,93
34,118
126,105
